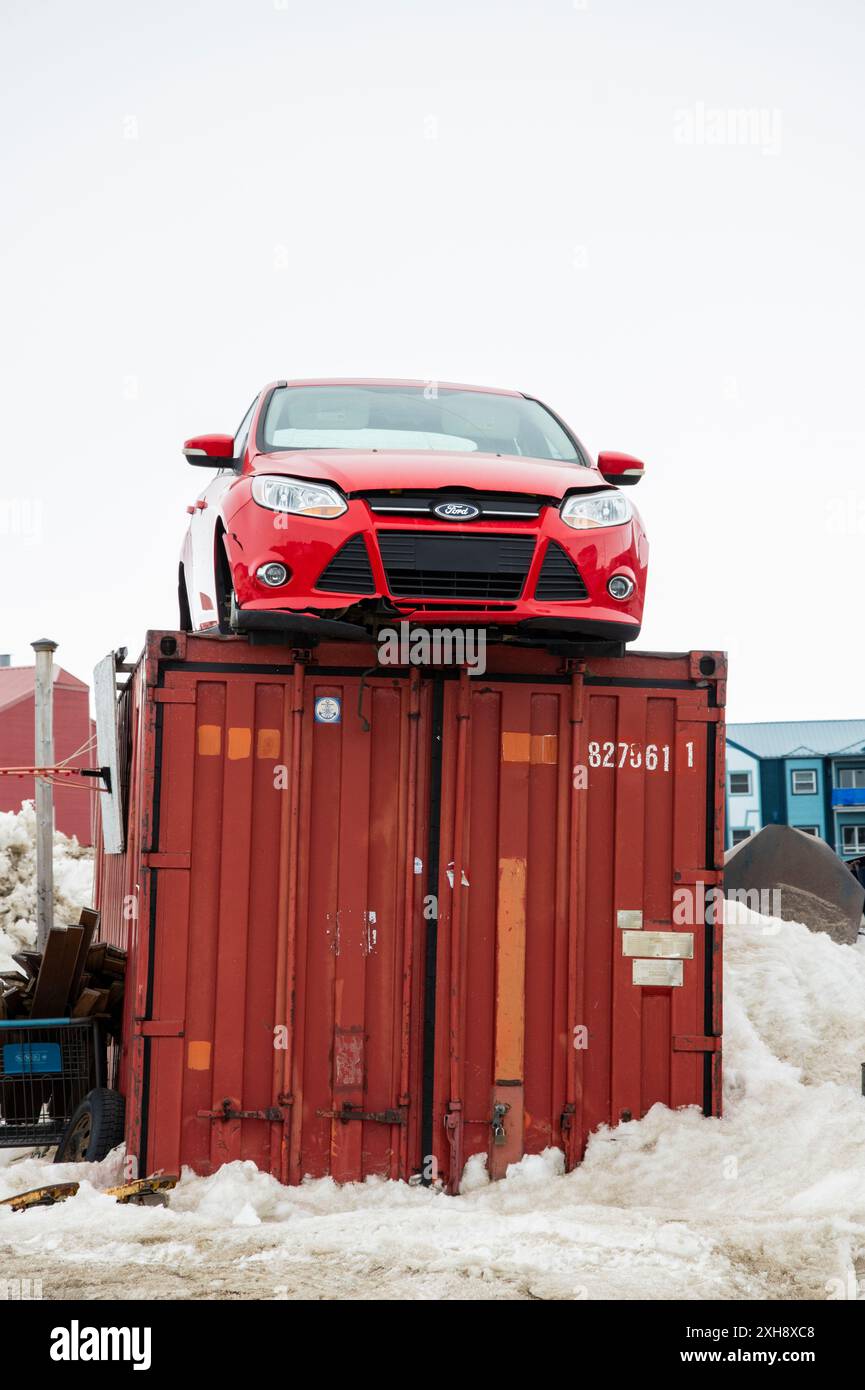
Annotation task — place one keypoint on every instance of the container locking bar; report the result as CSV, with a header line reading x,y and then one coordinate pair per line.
x,y
349,1112
274,1113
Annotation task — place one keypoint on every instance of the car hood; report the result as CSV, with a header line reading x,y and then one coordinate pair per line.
x,y
365,470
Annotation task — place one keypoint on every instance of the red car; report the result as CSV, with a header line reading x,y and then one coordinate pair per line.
x,y
344,506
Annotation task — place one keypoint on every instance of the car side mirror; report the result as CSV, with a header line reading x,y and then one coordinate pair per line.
x,y
621,469
209,450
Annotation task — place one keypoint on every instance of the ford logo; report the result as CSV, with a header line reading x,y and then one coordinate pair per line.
x,y
456,511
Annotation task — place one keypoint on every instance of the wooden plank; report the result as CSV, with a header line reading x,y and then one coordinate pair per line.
x,y
29,961
51,996
89,923
86,1003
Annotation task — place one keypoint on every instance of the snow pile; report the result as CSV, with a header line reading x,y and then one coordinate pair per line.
x,y
768,1202
73,881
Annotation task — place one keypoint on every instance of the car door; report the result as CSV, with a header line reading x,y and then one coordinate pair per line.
x,y
200,548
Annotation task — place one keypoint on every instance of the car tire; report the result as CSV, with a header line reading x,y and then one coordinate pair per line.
x,y
95,1128
184,620
225,598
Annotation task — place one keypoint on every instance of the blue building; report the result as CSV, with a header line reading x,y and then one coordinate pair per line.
x,y
809,774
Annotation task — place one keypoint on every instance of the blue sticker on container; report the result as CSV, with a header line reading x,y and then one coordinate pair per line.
x,y
25,1058
328,710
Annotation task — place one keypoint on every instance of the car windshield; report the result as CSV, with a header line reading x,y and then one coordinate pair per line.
x,y
413,417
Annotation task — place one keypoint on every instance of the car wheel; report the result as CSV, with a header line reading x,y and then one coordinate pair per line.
x,y
95,1128
224,586
184,621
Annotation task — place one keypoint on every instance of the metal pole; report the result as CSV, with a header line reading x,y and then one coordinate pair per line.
x,y
44,689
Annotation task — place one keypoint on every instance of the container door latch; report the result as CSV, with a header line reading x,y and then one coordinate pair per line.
x,y
500,1109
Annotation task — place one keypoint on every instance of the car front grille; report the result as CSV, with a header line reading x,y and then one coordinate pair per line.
x,y
450,565
349,571
559,580
496,506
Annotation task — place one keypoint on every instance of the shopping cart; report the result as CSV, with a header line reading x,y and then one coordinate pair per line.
x,y
47,1067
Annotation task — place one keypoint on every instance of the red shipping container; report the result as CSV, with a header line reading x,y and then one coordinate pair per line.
x,y
382,919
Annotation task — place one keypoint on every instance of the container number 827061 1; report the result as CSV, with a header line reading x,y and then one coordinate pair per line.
x,y
654,757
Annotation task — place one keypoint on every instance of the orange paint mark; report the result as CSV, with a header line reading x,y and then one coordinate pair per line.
x,y
268,743
545,748
511,973
198,1056
530,748
516,748
239,743
209,740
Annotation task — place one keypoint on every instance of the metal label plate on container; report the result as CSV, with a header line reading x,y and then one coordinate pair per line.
x,y
677,945
663,973
629,919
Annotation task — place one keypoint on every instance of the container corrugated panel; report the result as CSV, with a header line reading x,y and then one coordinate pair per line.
x,y
387,919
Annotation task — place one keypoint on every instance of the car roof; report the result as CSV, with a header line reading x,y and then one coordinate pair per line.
x,y
391,381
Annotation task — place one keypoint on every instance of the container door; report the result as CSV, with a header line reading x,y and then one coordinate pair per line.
x,y
283,900
574,970
503,932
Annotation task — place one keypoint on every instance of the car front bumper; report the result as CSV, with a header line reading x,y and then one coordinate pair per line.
x,y
307,546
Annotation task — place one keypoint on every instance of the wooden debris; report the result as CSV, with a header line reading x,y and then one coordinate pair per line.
x,y
76,978
87,1003
54,981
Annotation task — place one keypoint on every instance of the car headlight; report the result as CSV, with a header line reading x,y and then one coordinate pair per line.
x,y
600,509
295,496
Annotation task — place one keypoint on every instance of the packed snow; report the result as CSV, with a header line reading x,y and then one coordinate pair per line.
x,y
766,1203
73,881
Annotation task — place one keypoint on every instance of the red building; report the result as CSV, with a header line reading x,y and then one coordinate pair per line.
x,y
72,731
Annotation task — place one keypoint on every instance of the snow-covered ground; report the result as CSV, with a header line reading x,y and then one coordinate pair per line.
x,y
768,1202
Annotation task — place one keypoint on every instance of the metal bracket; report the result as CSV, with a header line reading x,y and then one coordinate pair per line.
x,y
350,1112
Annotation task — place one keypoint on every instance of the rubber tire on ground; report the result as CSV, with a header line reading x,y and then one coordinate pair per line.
x,y
104,1111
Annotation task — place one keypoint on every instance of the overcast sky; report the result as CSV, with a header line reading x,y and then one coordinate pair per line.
x,y
648,215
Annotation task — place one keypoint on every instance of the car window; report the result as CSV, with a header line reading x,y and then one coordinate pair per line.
x,y
414,417
243,430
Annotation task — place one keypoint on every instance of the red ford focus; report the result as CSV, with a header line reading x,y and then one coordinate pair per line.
x,y
344,506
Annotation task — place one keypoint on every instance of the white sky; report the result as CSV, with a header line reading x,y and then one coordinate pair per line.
x,y
197,198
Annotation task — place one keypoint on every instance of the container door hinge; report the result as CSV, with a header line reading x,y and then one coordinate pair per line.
x,y
273,1113
350,1112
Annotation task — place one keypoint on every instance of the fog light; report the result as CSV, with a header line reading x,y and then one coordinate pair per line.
x,y
620,586
272,574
